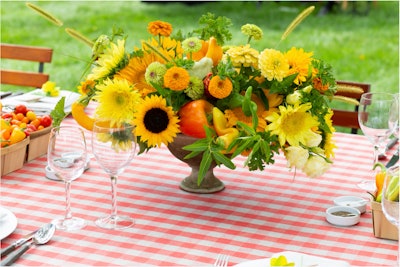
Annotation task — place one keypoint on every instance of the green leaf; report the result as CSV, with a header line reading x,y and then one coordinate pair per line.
x,y
58,114
221,158
204,166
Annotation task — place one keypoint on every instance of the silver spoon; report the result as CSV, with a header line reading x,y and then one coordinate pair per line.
x,y
41,237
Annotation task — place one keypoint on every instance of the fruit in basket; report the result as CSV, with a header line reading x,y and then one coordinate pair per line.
x,y
16,125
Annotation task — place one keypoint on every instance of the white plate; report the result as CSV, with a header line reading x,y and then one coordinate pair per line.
x,y
8,222
300,260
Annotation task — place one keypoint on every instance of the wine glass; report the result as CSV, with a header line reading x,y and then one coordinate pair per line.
x,y
67,157
114,148
377,119
390,198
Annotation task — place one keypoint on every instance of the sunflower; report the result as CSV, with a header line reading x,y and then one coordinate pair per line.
x,y
299,62
329,143
117,101
293,125
156,122
109,62
135,72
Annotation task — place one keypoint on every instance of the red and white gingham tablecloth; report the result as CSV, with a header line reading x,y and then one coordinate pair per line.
x,y
258,214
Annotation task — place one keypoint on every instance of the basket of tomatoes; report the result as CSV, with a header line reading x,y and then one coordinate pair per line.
x,y
24,136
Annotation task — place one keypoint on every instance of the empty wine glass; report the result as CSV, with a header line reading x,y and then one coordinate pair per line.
x,y
66,156
377,119
114,148
390,198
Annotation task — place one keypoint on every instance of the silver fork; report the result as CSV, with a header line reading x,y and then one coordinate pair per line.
x,y
222,260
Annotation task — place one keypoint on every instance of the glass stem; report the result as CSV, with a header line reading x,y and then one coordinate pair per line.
x,y
68,213
113,197
376,154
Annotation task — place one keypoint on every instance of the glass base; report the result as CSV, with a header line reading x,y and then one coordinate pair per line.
x,y
69,224
367,185
115,222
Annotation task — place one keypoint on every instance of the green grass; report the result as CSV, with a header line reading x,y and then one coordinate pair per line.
x,y
359,48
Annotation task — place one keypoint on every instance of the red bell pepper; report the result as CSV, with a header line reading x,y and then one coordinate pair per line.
x,y
194,116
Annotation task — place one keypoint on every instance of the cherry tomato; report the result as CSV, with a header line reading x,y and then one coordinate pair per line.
x,y
31,115
7,116
46,121
35,122
20,109
20,116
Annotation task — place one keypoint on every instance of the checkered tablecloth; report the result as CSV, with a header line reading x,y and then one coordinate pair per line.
x,y
257,215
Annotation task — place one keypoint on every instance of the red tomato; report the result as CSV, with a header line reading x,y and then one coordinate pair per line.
x,y
7,116
194,116
20,109
46,121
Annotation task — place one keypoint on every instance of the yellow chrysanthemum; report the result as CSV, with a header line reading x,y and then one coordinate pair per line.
x,y
159,28
293,124
242,55
117,101
156,123
50,89
300,63
176,78
220,88
135,72
273,65
109,62
329,143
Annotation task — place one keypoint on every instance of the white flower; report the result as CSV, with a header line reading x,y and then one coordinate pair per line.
x,y
296,156
313,139
293,98
316,166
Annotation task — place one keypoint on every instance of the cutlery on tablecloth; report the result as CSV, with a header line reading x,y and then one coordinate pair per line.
x,y
222,260
389,145
20,242
41,237
393,160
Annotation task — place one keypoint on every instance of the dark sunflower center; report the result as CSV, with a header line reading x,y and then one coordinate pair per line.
x,y
156,120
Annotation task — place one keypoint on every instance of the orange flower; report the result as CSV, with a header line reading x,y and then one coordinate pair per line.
x,y
176,79
86,87
317,84
219,88
159,28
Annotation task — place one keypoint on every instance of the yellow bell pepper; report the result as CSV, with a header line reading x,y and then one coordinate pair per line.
x,y
225,135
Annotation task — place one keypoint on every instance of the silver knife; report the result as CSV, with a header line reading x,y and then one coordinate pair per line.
x,y
389,145
16,244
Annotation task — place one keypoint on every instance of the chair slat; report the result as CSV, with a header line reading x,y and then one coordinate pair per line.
x,y
29,53
30,79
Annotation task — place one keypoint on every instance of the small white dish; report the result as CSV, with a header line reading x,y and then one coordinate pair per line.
x,y
352,201
8,223
343,215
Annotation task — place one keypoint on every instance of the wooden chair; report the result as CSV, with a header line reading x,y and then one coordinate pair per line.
x,y
349,118
41,55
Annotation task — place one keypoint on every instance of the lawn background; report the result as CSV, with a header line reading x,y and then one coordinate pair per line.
x,y
363,48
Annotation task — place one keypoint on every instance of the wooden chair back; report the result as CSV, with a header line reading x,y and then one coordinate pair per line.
x,y
349,118
41,55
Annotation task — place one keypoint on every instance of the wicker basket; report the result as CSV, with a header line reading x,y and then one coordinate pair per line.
x,y
38,143
13,157
382,227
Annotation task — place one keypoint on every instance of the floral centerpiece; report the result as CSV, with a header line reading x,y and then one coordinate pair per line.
x,y
236,100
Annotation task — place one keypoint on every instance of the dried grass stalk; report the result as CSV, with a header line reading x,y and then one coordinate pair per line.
x,y
346,99
45,14
79,36
297,21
